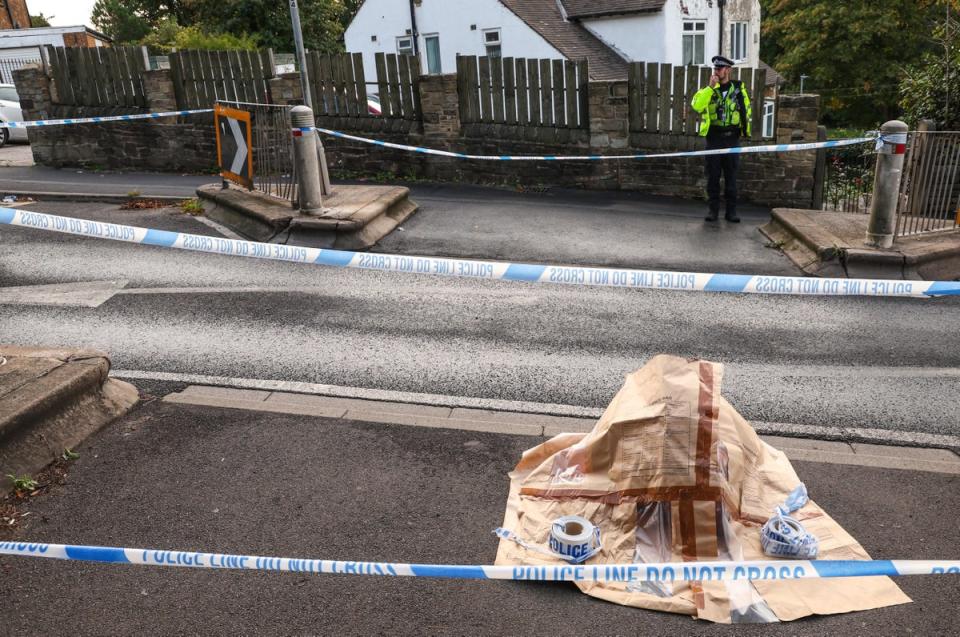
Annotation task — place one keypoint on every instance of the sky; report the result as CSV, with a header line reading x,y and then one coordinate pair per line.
x,y
64,12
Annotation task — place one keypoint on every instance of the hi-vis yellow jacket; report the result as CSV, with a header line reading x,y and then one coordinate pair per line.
x,y
735,110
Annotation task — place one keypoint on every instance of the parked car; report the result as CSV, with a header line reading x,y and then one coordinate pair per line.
x,y
10,112
373,104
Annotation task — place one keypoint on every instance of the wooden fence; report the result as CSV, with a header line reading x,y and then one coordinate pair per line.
x,y
338,87
97,76
398,82
523,92
660,96
200,78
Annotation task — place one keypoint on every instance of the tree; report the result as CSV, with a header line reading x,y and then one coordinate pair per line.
x,y
168,35
930,89
853,52
122,21
40,20
268,21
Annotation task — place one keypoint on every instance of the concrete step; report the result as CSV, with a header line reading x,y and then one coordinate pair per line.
x,y
355,217
51,400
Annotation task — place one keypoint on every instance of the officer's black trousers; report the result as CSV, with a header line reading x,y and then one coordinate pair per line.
x,y
725,164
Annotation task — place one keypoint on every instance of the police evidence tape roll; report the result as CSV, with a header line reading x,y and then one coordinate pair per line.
x,y
740,150
490,270
100,120
574,539
784,536
661,572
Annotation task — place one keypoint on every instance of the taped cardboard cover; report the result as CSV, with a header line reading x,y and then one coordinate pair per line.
x,y
671,472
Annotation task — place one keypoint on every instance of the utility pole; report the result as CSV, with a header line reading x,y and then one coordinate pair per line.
x,y
301,54
305,87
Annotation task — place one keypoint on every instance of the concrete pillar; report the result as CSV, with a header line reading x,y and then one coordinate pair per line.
x,y
306,160
886,184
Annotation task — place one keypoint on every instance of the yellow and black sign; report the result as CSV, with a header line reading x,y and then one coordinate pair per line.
x,y
234,145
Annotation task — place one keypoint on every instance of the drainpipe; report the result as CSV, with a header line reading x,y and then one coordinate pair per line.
x,y
721,4
413,27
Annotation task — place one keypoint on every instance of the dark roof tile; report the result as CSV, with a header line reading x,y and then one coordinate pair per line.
x,y
577,9
570,38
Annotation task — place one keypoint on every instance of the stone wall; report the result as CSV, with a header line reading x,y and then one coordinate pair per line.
x,y
188,145
185,144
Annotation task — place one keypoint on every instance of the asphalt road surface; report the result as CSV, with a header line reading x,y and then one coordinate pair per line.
x,y
176,477
890,364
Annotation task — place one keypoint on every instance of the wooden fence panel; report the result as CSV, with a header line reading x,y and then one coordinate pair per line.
x,y
533,77
523,92
570,82
635,86
486,108
510,90
496,89
650,96
546,94
692,86
406,86
583,92
393,83
559,112
677,110
756,95
360,84
666,74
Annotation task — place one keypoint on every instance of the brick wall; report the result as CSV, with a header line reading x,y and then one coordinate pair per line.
x,y
14,14
783,179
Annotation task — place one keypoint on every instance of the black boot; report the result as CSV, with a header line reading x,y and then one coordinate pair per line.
x,y
731,216
713,214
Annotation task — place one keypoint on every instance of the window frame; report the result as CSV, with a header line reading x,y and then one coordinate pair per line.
x,y
493,48
739,37
426,51
769,117
694,31
405,50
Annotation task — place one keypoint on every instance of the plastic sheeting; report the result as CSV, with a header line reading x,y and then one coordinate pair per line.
x,y
671,472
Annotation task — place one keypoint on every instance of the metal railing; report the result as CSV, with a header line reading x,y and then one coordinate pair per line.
x,y
848,178
930,187
9,65
273,166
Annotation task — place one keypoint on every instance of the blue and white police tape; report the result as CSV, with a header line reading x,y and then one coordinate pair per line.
x,y
784,536
100,120
661,572
741,150
492,270
572,538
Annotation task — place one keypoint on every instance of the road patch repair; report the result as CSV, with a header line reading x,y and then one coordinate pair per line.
x,y
668,427
50,401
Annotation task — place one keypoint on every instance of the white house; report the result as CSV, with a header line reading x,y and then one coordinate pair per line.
x,y
609,33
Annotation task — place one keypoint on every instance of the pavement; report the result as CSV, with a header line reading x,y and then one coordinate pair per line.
x,y
178,475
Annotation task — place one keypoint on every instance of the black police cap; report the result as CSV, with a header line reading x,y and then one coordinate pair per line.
x,y
719,60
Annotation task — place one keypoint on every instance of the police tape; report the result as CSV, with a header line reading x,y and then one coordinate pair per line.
x,y
653,572
740,150
490,270
99,120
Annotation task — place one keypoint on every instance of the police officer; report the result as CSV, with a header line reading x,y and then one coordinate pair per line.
x,y
725,112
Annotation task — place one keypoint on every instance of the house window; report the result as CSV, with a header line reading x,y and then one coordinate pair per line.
x,y
694,34
769,112
491,40
432,45
405,45
738,41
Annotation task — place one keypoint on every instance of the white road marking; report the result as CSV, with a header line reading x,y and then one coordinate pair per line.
x,y
81,294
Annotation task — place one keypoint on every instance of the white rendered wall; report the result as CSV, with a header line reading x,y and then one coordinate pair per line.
x,y
676,12
638,38
451,20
